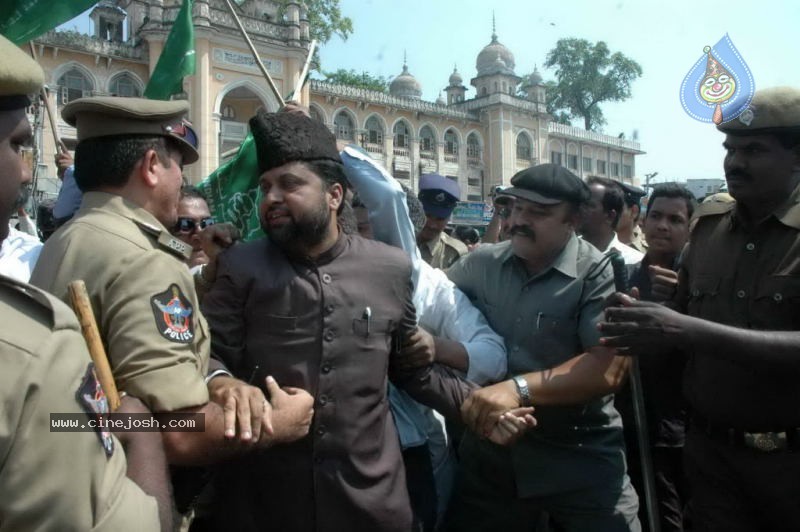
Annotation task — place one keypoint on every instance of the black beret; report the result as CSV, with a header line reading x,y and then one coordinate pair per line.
x,y
283,138
548,184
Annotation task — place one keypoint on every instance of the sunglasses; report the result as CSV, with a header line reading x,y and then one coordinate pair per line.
x,y
187,225
184,131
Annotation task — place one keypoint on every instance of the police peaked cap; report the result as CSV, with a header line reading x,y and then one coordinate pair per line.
x,y
772,110
283,138
20,76
438,194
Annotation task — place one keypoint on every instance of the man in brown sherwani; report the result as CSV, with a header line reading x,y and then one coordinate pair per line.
x,y
326,312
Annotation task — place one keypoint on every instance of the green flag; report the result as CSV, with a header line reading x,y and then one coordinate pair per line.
x,y
24,20
232,191
177,59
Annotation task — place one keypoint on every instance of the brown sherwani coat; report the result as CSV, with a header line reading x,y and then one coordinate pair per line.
x,y
329,327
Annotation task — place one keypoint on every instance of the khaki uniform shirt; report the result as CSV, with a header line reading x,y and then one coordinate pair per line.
x,y
330,327
56,480
545,320
747,277
638,243
142,295
442,252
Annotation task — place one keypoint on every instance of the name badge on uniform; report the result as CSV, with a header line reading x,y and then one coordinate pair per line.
x,y
173,314
92,398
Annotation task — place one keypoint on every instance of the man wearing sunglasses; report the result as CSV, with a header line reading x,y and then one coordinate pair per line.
x,y
128,163
193,216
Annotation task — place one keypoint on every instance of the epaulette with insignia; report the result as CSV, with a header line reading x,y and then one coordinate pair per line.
x,y
179,247
713,208
167,241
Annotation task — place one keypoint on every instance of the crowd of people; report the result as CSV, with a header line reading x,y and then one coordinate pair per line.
x,y
361,369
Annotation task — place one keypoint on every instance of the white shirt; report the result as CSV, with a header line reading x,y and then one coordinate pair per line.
x,y
631,255
441,307
18,255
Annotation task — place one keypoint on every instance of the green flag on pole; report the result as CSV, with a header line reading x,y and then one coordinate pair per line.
x,y
25,20
177,59
232,191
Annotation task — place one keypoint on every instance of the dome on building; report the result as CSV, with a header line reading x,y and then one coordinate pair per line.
x,y
440,100
405,85
487,62
535,78
455,78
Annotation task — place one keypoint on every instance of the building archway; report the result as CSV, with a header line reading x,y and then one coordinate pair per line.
x,y
234,106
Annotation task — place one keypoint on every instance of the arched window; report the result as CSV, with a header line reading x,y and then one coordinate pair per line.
x,y
344,126
524,147
473,147
228,112
427,140
401,135
374,130
483,91
450,142
125,85
73,85
315,114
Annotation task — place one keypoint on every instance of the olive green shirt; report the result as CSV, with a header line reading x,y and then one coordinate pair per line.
x,y
55,480
143,298
745,276
545,320
443,251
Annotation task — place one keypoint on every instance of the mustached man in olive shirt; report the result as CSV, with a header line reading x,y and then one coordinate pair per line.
x,y
543,291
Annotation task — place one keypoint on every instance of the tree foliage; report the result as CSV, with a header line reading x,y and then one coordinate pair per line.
x,y
324,18
363,80
586,75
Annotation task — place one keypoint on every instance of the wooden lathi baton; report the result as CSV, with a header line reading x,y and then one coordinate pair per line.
x,y
83,309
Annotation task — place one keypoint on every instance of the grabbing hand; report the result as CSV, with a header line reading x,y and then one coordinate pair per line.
x,y
663,283
292,412
637,327
243,403
512,425
483,408
419,350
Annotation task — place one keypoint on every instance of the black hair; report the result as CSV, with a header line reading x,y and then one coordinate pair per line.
x,y
415,210
192,192
613,198
331,172
672,190
467,234
109,161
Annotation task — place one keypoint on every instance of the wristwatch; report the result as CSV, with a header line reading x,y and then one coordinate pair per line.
x,y
523,391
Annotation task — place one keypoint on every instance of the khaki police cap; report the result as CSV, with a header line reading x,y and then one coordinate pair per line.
x,y
106,116
19,76
773,109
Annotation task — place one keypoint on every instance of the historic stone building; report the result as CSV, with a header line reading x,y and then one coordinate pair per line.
x,y
481,141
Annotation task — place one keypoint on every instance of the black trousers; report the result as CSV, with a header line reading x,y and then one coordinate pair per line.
x,y
672,491
736,489
421,487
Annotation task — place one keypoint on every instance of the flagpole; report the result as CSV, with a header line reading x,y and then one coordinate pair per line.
x,y
302,79
59,145
255,54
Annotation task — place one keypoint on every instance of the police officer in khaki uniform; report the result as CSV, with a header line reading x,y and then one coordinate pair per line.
x,y
739,298
628,230
128,162
439,196
68,480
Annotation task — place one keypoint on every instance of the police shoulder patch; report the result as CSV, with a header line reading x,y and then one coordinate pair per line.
x,y
93,400
173,314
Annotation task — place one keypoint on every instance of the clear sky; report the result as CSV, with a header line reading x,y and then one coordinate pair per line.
x,y
664,37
